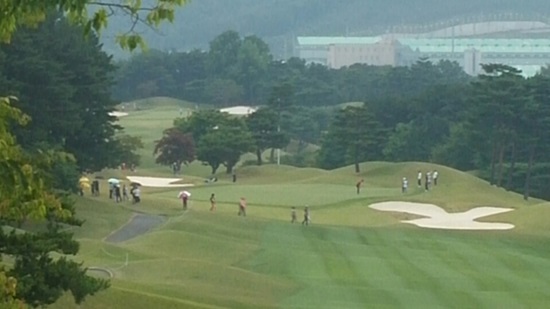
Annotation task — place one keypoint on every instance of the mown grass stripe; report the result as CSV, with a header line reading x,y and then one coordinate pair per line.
x,y
415,279
484,266
452,272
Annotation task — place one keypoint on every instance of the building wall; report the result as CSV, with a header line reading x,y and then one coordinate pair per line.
x,y
379,54
527,55
472,62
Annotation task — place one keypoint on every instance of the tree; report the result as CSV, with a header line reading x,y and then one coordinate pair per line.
x,y
535,123
63,83
148,74
353,137
126,149
252,62
223,92
30,13
456,150
498,99
263,126
224,145
174,146
281,99
304,125
201,122
36,277
223,55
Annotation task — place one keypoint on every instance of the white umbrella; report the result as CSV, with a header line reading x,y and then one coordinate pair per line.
x,y
182,193
113,181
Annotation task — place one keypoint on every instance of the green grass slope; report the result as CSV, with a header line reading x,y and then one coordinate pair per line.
x,y
350,257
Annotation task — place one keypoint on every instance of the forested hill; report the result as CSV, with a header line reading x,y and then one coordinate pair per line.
x,y
279,20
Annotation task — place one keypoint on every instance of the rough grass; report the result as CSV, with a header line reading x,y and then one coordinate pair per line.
x,y
350,257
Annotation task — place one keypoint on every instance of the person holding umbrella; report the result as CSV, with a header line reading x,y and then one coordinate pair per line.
x,y
184,196
84,183
112,183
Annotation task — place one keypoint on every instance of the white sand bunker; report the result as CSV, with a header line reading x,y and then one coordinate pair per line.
x,y
238,110
118,114
438,218
157,182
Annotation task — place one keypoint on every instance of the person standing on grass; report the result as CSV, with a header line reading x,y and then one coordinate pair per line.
x,y
358,185
118,195
419,179
125,193
212,202
435,175
293,215
184,198
137,195
242,207
307,218
174,168
111,190
427,182
404,185
95,188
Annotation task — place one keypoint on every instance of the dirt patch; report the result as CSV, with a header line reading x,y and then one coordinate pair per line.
x,y
138,225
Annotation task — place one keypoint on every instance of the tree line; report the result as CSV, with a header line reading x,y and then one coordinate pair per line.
x,y
242,70
493,124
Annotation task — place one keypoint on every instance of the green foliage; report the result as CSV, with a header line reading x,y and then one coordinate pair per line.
x,y
405,144
126,148
353,137
63,83
224,146
41,279
30,13
201,122
174,146
223,92
8,287
27,193
263,126
456,150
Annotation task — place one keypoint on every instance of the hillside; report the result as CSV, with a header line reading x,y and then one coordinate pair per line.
x,y
279,21
351,255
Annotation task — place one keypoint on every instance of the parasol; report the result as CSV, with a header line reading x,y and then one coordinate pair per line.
x,y
182,193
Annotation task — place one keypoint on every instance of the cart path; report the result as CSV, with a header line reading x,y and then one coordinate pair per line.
x,y
138,225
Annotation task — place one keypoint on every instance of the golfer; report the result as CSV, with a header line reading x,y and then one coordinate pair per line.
x,y
242,207
184,196
307,218
359,184
212,202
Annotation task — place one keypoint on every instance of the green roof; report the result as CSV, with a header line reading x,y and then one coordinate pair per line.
x,y
483,45
443,45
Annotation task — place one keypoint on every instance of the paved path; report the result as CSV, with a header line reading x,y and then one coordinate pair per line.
x,y
138,225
